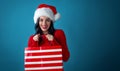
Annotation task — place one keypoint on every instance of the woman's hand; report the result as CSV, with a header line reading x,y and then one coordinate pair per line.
x,y
49,37
36,37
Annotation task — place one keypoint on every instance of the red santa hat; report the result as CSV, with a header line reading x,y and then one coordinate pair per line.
x,y
46,10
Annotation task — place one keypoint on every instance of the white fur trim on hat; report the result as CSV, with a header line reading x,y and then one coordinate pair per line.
x,y
57,16
43,12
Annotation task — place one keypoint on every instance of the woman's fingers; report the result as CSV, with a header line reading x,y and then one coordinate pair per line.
x,y
49,37
36,37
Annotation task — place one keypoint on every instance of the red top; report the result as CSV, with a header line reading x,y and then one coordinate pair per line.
x,y
59,39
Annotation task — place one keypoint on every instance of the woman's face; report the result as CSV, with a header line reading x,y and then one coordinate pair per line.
x,y
44,23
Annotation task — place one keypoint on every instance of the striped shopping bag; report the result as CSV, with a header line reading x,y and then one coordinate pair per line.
x,y
48,58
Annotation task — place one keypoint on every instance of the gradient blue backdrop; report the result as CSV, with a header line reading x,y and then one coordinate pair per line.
x,y
91,26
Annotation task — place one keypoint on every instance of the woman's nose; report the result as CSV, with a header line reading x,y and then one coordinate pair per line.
x,y
44,22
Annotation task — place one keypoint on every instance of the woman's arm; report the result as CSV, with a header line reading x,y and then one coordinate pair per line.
x,y
61,38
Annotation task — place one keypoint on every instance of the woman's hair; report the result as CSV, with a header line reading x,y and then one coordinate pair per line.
x,y
38,30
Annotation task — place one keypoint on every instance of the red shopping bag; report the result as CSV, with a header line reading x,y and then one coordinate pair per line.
x,y
48,58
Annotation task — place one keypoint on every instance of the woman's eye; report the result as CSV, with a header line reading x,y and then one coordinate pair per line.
x,y
41,20
48,20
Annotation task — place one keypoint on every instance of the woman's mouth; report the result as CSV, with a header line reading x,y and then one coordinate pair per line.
x,y
44,27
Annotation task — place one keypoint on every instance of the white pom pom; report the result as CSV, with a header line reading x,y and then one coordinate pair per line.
x,y
57,16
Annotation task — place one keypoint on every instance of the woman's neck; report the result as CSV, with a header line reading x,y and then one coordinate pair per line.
x,y
46,32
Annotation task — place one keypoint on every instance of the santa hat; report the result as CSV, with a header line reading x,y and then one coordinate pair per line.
x,y
46,10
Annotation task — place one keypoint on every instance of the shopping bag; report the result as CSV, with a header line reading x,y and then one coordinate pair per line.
x,y
48,58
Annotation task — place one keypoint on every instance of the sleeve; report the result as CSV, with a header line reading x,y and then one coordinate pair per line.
x,y
32,43
62,41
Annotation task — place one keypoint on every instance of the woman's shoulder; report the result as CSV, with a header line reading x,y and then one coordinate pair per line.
x,y
59,31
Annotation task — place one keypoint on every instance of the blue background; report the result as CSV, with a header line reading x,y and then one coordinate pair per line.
x,y
91,26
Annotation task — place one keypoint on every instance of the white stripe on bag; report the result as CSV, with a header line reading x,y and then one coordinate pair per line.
x,y
44,62
36,51
44,68
46,56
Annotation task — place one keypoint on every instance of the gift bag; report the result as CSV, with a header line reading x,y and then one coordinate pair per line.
x,y
48,58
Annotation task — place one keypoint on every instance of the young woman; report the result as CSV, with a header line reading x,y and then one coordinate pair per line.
x,y
46,34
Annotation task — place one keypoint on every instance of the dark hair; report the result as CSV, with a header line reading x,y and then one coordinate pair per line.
x,y
38,30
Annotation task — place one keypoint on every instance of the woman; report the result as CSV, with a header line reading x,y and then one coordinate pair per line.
x,y
46,35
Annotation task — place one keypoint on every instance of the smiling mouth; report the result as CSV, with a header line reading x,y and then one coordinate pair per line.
x,y
44,27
